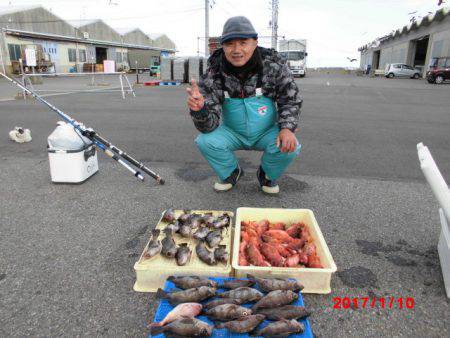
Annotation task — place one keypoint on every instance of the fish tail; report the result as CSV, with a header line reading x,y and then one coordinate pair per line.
x,y
155,330
155,233
152,325
161,293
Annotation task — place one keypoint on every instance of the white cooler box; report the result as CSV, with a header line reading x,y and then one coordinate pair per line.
x,y
73,166
72,157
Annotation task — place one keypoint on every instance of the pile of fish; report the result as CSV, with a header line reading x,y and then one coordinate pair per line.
x,y
205,228
227,309
277,244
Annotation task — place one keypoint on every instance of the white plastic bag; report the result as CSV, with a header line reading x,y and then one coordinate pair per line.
x,y
65,137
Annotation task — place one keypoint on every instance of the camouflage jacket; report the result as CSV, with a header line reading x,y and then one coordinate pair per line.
x,y
277,84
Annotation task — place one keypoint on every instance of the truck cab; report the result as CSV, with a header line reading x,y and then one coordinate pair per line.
x,y
296,61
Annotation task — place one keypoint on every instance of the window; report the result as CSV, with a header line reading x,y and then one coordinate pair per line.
x,y
72,55
14,52
441,63
397,66
293,56
407,67
82,55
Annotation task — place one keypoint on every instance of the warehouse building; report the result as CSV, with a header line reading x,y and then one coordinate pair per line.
x,y
64,47
415,44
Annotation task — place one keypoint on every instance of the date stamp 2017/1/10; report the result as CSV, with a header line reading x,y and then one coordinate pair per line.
x,y
371,303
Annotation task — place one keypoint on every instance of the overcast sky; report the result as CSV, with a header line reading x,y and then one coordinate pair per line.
x,y
334,29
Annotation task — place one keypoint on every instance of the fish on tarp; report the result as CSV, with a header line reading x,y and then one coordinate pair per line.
x,y
285,312
154,246
184,327
185,216
242,325
190,282
195,221
226,312
169,248
216,302
275,299
272,284
185,310
282,328
245,294
183,254
204,254
187,296
169,215
236,283
214,238
221,254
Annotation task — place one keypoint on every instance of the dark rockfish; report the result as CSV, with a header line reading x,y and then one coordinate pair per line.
x,y
204,254
275,299
169,216
183,254
216,302
236,283
169,248
214,238
183,218
185,230
221,254
195,221
269,284
227,312
242,325
245,294
208,219
184,327
201,233
282,328
221,222
155,246
190,282
285,312
194,295
174,227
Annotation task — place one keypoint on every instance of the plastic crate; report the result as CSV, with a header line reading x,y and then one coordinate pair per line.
x,y
152,273
164,308
315,280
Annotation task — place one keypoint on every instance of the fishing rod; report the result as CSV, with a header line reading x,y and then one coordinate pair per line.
x,y
107,147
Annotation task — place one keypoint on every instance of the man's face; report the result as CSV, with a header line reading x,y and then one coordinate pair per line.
x,y
239,51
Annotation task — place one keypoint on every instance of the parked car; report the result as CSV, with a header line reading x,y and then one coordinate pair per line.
x,y
401,70
439,70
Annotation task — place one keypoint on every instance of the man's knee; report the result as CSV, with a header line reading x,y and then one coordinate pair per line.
x,y
207,142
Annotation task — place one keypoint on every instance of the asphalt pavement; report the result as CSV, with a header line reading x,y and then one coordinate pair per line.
x,y
67,251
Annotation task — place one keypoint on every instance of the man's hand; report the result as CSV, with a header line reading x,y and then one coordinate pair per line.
x,y
287,140
195,99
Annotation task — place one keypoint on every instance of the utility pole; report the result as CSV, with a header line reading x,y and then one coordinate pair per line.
x,y
206,28
274,23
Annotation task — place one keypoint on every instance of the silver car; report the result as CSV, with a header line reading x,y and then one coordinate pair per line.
x,y
401,70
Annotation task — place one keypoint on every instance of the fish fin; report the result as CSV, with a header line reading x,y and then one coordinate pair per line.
x,y
251,277
154,325
157,330
161,293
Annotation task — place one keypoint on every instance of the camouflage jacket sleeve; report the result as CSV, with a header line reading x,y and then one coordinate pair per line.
x,y
208,118
288,99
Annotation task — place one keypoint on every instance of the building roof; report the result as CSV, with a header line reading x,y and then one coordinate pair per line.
x,y
425,21
19,32
5,10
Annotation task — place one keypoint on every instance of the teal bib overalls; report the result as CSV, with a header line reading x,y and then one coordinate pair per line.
x,y
248,124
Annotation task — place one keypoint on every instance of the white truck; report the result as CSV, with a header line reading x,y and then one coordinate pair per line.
x,y
294,51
